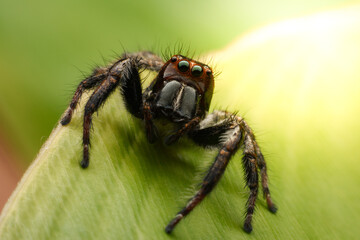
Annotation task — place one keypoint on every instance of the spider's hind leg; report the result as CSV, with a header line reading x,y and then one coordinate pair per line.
x,y
229,132
251,178
262,167
252,160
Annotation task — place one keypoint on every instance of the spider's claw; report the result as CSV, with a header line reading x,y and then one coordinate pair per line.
x,y
247,227
273,208
66,119
168,229
173,223
84,163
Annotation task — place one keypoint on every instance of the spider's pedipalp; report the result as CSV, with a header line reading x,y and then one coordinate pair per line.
x,y
150,129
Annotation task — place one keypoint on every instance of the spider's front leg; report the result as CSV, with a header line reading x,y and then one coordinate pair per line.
x,y
94,80
95,100
211,131
124,72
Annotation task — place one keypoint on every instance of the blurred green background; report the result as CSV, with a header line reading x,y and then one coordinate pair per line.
x,y
46,45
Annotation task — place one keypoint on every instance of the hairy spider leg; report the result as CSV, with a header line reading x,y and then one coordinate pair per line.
x,y
94,102
251,177
262,166
210,135
146,59
124,71
211,132
213,176
264,180
93,81
130,86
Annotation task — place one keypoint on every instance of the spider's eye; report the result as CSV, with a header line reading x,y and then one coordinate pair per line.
x,y
173,59
183,66
196,70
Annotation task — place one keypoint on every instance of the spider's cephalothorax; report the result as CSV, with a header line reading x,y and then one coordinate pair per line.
x,y
181,93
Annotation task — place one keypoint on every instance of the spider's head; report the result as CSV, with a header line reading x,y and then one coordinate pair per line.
x,y
191,74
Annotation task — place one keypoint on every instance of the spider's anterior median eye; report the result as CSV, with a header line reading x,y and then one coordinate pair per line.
x,y
196,70
183,66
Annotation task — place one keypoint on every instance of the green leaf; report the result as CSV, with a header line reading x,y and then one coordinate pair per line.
x,y
296,82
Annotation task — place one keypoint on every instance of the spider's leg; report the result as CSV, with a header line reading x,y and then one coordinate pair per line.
x,y
212,131
94,80
213,176
251,176
130,85
147,60
264,182
184,129
125,72
263,170
94,102
132,97
132,92
211,135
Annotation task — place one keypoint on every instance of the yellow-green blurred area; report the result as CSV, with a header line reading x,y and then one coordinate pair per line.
x,y
46,45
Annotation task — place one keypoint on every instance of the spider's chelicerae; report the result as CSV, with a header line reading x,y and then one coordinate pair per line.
x,y
181,93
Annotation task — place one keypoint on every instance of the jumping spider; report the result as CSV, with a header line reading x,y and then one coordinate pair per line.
x,y
181,93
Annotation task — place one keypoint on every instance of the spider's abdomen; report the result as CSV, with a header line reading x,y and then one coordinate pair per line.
x,y
177,101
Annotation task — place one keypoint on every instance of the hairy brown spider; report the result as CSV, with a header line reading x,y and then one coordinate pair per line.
x,y
181,93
